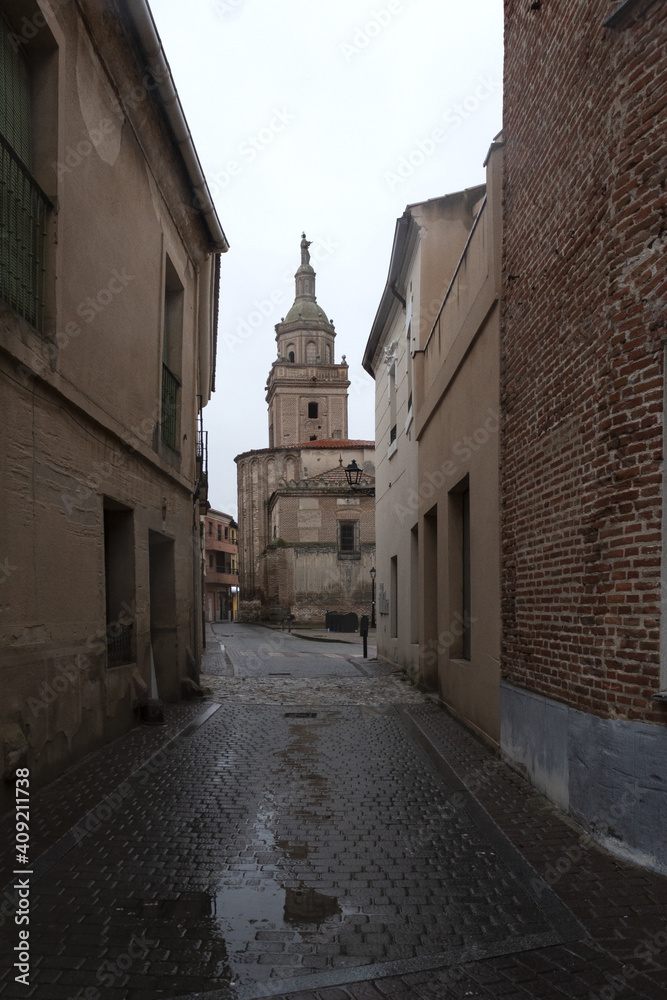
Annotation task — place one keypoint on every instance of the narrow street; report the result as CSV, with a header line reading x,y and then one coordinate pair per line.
x,y
318,828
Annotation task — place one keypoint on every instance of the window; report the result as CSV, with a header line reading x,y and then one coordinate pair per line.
x,y
223,562
311,352
119,583
392,404
210,527
226,532
291,356
348,539
219,532
24,206
459,570
291,353
210,560
312,410
172,347
313,437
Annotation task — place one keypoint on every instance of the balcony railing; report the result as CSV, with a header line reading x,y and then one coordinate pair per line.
x,y
169,421
23,216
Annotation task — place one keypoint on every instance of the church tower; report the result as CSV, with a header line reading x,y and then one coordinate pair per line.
x,y
306,389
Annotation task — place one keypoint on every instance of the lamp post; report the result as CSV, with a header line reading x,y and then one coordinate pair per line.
x,y
373,574
353,473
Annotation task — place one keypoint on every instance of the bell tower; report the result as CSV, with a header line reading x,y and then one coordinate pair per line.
x,y
306,389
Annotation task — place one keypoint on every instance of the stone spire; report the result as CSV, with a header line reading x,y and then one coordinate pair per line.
x,y
304,277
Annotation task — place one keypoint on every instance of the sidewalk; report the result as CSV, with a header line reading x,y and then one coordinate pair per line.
x,y
324,635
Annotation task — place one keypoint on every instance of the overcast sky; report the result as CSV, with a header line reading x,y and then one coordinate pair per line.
x,y
328,117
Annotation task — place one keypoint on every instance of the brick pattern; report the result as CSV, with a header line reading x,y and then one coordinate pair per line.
x,y
582,372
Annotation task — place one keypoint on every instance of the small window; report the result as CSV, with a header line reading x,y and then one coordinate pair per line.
x,y
348,538
311,351
392,434
313,437
210,527
226,532
219,532
291,356
312,410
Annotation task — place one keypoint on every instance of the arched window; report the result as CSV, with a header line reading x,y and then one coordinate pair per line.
x,y
311,351
291,356
291,353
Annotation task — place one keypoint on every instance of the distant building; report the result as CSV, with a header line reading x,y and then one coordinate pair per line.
x,y
434,353
584,326
221,572
108,302
306,537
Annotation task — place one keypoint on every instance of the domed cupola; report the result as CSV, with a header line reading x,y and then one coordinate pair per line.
x,y
306,389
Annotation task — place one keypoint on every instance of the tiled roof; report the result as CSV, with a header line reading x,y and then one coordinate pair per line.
x,y
335,443
336,479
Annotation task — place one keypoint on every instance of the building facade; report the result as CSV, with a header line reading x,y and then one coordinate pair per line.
x,y
434,353
108,302
292,497
221,571
584,653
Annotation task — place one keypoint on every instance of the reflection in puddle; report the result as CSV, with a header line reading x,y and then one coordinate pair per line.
x,y
249,916
297,852
305,906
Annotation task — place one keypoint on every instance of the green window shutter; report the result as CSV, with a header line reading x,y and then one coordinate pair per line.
x,y
23,205
15,114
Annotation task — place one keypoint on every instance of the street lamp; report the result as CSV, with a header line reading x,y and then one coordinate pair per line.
x,y
373,575
353,473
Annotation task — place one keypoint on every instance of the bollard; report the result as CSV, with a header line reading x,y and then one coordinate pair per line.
x,y
363,632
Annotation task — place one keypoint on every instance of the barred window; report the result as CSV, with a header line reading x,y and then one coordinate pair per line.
x,y
23,206
348,537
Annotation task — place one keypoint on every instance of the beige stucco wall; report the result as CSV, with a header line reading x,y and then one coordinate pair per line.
x,y
438,233
457,428
82,400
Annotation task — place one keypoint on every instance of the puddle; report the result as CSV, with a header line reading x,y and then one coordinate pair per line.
x,y
306,906
245,914
295,851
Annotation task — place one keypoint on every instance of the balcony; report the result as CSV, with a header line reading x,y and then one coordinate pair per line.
x,y
23,215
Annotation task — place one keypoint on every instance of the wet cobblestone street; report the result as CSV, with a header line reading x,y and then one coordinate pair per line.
x,y
320,829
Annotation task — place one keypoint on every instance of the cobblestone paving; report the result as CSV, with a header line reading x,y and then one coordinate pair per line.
x,y
310,842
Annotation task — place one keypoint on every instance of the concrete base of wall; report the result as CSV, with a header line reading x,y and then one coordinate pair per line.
x,y
608,774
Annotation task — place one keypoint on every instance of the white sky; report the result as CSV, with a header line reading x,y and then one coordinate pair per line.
x,y
316,104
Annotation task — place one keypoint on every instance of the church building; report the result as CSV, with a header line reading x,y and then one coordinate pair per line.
x,y
307,502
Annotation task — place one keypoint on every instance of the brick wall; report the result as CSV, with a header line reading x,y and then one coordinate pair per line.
x,y
582,370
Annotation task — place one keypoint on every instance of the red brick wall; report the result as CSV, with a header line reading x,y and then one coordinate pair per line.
x,y
582,367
